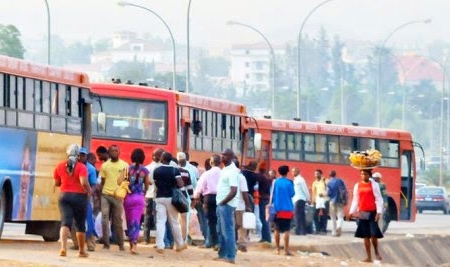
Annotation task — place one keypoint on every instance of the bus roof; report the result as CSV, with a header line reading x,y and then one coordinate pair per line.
x,y
152,93
332,129
213,104
42,72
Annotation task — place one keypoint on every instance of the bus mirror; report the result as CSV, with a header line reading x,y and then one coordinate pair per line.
x,y
257,141
422,164
101,122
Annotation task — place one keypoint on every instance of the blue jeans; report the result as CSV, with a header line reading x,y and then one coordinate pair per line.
x,y
225,230
168,237
265,229
90,222
202,220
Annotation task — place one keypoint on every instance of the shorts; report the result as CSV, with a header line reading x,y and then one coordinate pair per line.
x,y
73,206
282,225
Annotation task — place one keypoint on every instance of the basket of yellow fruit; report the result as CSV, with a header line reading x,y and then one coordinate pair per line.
x,y
368,159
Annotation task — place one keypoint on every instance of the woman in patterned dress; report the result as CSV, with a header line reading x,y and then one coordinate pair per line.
x,y
134,202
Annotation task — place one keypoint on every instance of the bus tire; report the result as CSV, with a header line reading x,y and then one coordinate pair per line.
x,y
51,236
49,230
2,210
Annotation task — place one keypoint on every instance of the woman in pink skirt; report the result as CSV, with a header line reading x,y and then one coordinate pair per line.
x,y
134,202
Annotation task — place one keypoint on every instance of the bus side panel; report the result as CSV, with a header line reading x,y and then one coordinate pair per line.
x,y
17,153
51,149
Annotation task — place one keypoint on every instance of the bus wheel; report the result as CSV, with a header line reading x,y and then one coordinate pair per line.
x,y
51,237
2,210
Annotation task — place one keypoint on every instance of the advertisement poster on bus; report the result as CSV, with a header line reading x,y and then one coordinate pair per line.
x,y
17,164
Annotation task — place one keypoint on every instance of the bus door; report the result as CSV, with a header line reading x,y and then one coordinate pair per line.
x,y
266,146
407,186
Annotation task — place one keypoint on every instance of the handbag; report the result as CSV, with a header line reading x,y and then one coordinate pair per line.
x,y
179,201
123,189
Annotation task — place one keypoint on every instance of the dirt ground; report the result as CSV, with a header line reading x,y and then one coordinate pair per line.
x,y
34,253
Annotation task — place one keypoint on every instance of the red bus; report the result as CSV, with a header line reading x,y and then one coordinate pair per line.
x,y
146,117
43,109
312,146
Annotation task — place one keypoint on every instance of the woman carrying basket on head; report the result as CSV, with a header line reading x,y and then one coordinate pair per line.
x,y
368,202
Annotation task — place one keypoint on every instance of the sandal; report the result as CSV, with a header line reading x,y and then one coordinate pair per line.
x,y
83,254
288,253
62,253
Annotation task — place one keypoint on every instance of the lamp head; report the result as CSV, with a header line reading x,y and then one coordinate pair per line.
x,y
231,22
123,3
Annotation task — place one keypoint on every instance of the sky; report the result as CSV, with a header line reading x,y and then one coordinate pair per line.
x,y
278,20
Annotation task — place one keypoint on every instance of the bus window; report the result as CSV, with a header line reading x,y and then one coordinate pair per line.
x,y
321,148
2,104
333,149
390,151
62,100
20,93
309,147
46,97
2,89
346,147
139,120
293,146
25,119
12,92
280,144
366,144
37,96
29,94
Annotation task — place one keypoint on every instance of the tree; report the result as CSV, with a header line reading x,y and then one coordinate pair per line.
x,y
10,43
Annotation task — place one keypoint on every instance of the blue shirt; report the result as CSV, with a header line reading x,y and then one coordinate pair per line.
x,y
92,174
283,192
333,189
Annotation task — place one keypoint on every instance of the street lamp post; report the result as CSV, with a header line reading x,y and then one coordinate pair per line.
x,y
299,42
379,63
188,52
174,82
272,71
48,32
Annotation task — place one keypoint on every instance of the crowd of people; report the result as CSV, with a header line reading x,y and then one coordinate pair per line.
x,y
220,195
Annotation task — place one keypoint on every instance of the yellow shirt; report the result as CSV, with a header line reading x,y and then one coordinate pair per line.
x,y
319,187
111,171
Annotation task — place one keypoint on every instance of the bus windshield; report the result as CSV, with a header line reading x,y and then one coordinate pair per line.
x,y
132,119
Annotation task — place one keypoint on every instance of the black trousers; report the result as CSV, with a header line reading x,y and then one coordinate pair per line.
x,y
300,220
149,218
210,206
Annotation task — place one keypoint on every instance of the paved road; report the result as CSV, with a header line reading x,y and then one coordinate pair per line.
x,y
18,249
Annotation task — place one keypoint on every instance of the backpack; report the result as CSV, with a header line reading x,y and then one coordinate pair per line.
x,y
342,193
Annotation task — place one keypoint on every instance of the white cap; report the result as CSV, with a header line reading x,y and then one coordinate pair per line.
x,y
377,175
181,156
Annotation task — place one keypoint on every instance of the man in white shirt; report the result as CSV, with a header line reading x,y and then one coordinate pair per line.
x,y
227,200
300,198
149,218
243,205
